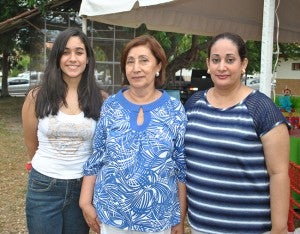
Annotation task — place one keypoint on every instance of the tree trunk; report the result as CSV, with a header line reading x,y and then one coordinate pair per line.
x,y
5,68
184,60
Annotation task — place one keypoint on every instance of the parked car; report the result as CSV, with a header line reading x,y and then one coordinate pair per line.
x,y
253,83
20,85
34,77
17,86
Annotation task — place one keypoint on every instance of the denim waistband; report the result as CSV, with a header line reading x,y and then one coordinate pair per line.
x,y
52,178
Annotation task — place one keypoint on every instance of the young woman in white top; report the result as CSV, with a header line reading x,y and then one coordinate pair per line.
x,y
59,119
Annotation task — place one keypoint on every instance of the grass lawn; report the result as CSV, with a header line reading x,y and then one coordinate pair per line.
x,y
12,167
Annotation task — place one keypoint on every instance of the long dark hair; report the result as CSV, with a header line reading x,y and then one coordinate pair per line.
x,y
51,95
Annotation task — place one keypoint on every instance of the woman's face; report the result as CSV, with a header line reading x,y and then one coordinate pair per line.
x,y
225,64
141,66
74,59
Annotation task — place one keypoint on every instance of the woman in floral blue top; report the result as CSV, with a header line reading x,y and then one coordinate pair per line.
x,y
135,180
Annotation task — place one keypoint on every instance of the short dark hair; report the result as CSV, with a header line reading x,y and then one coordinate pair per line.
x,y
157,51
235,38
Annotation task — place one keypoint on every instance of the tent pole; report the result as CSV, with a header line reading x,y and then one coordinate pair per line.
x,y
84,24
267,47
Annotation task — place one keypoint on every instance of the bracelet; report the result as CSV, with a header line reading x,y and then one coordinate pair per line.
x,y
28,166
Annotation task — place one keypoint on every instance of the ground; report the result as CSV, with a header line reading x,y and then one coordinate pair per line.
x,y
12,170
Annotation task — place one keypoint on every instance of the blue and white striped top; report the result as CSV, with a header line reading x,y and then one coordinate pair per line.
x,y
227,179
138,166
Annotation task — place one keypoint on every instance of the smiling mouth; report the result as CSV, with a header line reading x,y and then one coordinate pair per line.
x,y
222,76
72,67
137,77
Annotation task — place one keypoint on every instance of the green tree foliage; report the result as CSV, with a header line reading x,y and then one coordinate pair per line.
x,y
183,51
190,51
254,52
17,40
9,40
289,51
21,66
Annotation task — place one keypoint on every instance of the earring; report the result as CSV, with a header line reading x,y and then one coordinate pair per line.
x,y
156,74
208,71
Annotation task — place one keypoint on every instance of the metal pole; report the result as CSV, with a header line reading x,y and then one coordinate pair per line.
x,y
267,47
84,24
114,65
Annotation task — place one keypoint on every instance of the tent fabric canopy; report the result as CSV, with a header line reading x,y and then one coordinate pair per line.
x,y
116,6
252,19
199,17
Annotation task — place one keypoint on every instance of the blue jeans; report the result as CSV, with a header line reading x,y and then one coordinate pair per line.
x,y
52,206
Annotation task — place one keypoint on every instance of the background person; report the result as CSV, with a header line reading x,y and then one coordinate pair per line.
x,y
59,119
237,149
135,180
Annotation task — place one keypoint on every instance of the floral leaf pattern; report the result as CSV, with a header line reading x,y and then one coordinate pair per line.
x,y
138,166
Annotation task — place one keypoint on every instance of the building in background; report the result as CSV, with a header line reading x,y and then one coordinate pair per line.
x,y
288,76
107,42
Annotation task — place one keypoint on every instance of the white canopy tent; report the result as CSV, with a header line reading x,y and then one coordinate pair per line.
x,y
252,19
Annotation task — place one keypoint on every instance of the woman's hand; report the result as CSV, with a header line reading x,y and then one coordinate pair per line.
x,y
90,216
178,229
85,203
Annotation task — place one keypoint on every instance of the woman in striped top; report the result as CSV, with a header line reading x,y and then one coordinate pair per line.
x,y
237,150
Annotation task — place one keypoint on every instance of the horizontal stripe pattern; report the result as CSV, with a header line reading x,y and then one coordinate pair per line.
x,y
227,180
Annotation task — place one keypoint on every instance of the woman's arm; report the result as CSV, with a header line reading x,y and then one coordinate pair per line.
x,y
86,203
276,146
179,228
30,124
179,157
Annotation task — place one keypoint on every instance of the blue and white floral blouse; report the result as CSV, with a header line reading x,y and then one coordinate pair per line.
x,y
138,166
